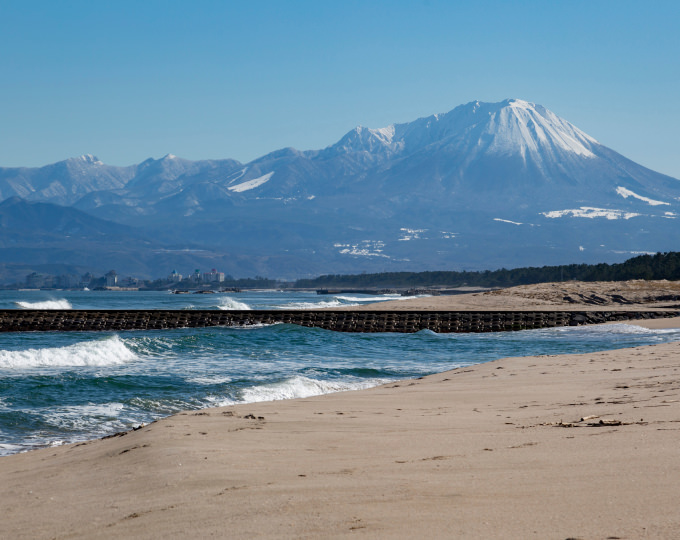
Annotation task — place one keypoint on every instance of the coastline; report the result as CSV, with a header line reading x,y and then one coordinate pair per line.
x,y
573,295
477,452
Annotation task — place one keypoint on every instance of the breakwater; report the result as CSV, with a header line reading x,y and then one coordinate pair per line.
x,y
15,320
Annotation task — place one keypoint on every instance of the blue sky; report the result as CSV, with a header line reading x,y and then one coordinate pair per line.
x,y
128,80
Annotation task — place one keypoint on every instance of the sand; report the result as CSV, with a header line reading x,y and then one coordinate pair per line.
x,y
571,295
577,446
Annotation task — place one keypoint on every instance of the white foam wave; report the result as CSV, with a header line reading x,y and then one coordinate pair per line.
x,y
7,449
61,303
100,418
228,303
387,298
315,305
302,387
209,380
618,329
253,326
107,352
383,298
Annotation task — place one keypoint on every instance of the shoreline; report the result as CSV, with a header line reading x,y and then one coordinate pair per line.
x,y
480,451
565,296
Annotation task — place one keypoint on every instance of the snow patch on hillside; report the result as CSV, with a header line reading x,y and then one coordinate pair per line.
x,y
365,248
89,158
411,234
236,175
251,184
589,212
507,221
625,193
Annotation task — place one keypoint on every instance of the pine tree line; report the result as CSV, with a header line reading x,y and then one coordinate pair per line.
x,y
648,267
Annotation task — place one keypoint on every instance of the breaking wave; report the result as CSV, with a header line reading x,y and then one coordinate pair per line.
x,y
228,303
384,298
315,305
302,387
107,352
621,329
62,303
371,299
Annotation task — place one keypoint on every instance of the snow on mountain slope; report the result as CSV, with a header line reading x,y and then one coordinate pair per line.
x,y
512,126
588,212
251,184
530,129
63,182
625,193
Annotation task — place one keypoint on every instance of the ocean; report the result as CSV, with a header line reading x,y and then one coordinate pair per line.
x,y
61,387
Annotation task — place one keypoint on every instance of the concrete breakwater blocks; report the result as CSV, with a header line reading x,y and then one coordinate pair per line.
x,y
20,320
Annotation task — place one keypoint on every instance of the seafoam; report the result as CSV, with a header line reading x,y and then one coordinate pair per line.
x,y
105,352
60,303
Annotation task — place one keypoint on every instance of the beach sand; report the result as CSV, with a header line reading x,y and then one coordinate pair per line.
x,y
570,295
577,446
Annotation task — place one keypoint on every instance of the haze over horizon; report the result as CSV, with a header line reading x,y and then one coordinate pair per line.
x,y
212,80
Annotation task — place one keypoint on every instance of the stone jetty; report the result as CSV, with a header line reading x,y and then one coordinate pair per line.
x,y
19,320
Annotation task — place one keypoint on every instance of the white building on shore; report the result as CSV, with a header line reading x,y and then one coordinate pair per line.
x,y
213,276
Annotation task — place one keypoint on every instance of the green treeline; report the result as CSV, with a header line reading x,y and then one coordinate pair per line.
x,y
659,266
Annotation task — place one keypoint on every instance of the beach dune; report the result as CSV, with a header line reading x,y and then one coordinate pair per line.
x,y
578,446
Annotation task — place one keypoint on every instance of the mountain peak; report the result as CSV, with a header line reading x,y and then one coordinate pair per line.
x,y
527,128
510,127
362,139
518,103
86,159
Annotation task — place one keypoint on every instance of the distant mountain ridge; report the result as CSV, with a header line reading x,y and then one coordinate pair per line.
x,y
482,186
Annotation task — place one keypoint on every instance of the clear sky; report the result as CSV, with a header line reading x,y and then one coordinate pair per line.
x,y
128,80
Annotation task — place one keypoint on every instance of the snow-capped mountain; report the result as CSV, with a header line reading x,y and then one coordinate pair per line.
x,y
482,186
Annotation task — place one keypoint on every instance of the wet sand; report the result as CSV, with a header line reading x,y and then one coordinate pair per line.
x,y
574,446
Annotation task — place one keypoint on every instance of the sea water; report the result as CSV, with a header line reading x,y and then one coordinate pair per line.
x,y
59,387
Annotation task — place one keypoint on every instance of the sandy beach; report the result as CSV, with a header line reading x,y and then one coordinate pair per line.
x,y
575,446
570,295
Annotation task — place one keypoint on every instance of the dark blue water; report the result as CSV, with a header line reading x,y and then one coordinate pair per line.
x,y
69,386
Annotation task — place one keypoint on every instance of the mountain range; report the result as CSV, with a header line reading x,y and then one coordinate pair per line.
x,y
484,186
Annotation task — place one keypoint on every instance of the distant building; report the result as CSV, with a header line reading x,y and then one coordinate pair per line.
x,y
174,277
37,281
111,279
67,281
213,276
130,282
86,279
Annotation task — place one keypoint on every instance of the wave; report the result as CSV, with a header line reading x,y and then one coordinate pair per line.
x,y
107,352
62,303
315,305
98,418
302,387
7,449
209,380
618,329
228,303
254,326
384,298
